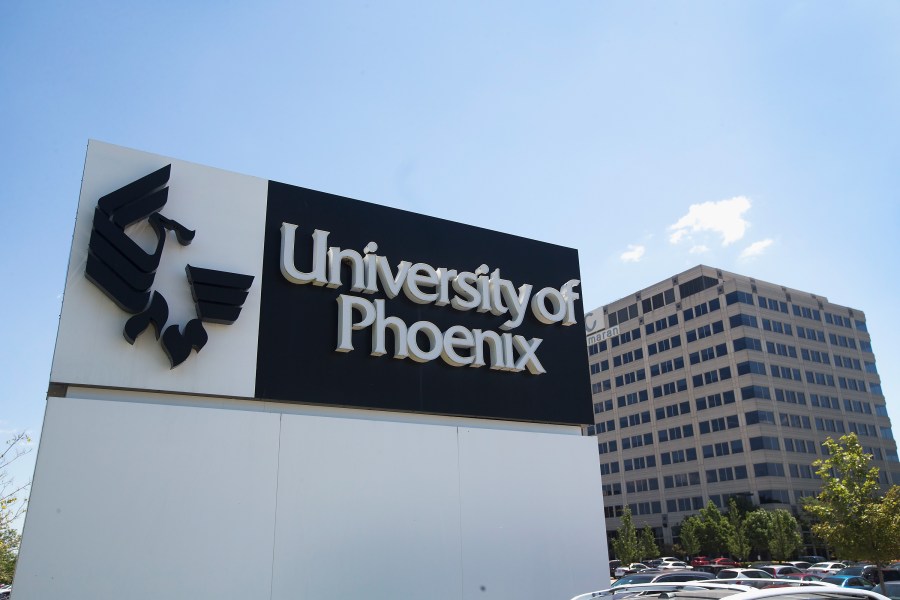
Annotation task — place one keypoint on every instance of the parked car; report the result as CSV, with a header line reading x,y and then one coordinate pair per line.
x,y
802,577
723,561
870,573
674,565
826,568
651,576
800,564
681,576
699,561
623,570
635,578
613,565
851,581
779,570
707,590
737,573
892,588
812,558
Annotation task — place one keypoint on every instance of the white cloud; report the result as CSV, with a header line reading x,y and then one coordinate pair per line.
x,y
633,254
698,249
756,248
722,217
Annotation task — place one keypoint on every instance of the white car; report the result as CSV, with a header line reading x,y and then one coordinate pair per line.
x,y
826,568
623,570
707,590
674,565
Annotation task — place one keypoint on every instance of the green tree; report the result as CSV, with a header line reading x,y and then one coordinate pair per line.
x,y
625,544
852,515
713,530
784,537
756,527
690,543
12,505
738,542
647,544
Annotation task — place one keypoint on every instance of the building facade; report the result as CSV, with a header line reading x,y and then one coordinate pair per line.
x,y
710,385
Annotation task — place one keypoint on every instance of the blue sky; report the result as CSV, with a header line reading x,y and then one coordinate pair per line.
x,y
763,136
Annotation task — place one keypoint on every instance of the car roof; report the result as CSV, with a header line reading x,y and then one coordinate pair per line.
x,y
716,590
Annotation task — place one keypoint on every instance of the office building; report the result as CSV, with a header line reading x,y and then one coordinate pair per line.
x,y
710,385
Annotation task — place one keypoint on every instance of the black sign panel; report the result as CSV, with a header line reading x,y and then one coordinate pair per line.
x,y
299,323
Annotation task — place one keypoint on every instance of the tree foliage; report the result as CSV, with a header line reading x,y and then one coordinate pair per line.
x,y
647,544
851,513
690,543
625,544
12,505
784,537
713,530
756,526
738,542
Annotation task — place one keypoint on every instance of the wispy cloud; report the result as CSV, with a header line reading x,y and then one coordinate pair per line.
x,y
700,249
633,254
723,218
756,248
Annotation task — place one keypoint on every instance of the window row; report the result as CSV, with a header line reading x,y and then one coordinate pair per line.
x,y
678,456
726,474
625,337
642,485
660,324
658,300
772,304
667,366
842,340
709,377
684,504
843,321
663,345
702,309
637,441
806,312
741,319
790,396
601,386
705,331
781,349
622,315
641,462
719,424
628,357
708,354
723,448
673,410
675,433
714,400
778,327
814,335
631,398
634,420
681,480
631,377
672,387
799,446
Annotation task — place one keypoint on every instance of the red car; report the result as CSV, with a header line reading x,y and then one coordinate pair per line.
x,y
700,561
723,562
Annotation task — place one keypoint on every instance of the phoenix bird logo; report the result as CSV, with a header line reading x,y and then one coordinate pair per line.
x,y
125,272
